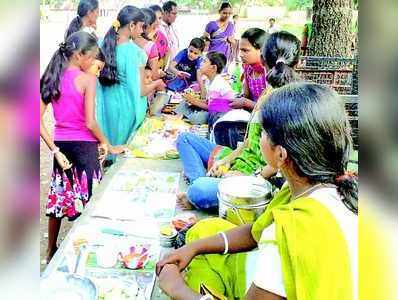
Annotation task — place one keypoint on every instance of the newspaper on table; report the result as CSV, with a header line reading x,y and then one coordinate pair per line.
x,y
122,238
108,244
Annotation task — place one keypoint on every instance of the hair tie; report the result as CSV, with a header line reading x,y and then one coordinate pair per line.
x,y
62,47
346,176
281,59
116,25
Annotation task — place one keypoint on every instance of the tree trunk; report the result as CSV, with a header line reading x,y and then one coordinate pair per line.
x,y
331,25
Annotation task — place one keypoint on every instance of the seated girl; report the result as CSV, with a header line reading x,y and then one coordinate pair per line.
x,y
204,161
216,90
254,73
185,65
306,238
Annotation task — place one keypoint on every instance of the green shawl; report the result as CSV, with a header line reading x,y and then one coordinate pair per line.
x,y
314,253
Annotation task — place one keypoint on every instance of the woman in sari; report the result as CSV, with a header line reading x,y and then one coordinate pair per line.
x,y
306,238
221,32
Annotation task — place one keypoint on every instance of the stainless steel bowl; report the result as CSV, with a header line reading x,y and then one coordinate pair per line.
x,y
242,199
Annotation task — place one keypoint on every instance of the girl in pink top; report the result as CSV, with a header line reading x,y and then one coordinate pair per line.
x,y
145,42
254,73
77,137
160,38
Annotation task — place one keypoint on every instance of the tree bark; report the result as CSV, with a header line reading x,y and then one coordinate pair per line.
x,y
331,25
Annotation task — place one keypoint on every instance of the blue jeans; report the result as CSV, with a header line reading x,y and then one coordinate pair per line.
x,y
202,193
195,152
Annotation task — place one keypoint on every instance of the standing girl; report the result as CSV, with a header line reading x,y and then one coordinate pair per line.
x,y
149,46
160,38
254,74
86,19
221,32
121,94
71,92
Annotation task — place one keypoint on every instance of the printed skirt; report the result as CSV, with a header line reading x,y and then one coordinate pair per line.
x,y
70,190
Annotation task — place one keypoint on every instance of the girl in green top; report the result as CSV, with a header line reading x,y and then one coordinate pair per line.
x,y
306,238
205,162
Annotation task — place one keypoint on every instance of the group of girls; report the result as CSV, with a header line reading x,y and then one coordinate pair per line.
x,y
304,246
98,93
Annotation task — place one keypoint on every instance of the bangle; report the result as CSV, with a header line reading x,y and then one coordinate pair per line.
x,y
55,151
226,246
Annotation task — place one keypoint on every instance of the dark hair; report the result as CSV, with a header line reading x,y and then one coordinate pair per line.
x,y
155,8
85,6
256,37
150,18
198,43
127,14
224,5
235,16
272,19
310,122
281,53
218,59
168,6
100,55
80,41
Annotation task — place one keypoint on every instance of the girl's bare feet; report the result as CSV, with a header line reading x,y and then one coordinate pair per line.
x,y
183,202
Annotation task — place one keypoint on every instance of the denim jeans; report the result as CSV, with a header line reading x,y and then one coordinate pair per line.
x,y
195,152
202,193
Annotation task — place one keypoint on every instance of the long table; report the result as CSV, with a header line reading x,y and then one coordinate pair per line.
x,y
122,164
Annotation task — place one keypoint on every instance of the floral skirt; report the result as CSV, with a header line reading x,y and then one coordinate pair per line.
x,y
70,190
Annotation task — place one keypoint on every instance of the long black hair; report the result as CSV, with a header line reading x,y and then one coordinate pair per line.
x,y
50,81
281,53
85,6
256,37
150,18
310,122
127,14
